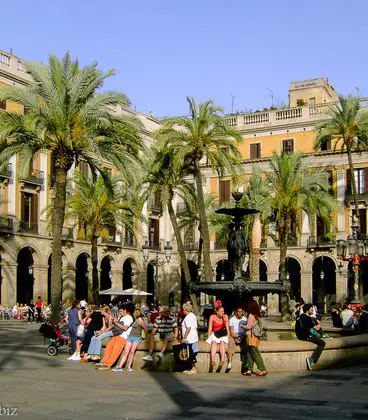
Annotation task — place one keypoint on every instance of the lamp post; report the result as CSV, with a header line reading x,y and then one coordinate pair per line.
x,y
157,262
354,250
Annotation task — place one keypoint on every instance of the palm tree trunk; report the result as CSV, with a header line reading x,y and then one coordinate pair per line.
x,y
181,250
57,223
284,228
352,182
95,283
207,268
200,249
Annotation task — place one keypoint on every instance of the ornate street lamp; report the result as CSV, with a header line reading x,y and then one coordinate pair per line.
x,y
157,262
355,249
30,270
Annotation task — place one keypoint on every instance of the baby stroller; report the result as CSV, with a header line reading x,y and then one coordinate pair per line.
x,y
57,340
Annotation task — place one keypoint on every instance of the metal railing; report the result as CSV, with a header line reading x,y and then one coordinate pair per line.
x,y
30,227
6,224
191,246
7,171
155,205
360,196
320,241
35,177
131,242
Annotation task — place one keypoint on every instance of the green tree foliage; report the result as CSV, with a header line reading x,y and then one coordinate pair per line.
x,y
65,116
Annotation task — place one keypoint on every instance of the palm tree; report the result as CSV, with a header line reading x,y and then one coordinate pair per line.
x,y
66,117
257,196
169,181
347,128
204,134
295,188
97,206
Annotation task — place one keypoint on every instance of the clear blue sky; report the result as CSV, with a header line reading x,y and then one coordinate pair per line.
x,y
165,50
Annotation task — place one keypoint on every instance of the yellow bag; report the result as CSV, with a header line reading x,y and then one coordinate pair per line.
x,y
253,340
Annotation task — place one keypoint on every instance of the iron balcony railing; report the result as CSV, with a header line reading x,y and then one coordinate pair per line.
x,y
154,205
320,241
29,227
191,246
130,242
35,177
360,196
7,171
6,224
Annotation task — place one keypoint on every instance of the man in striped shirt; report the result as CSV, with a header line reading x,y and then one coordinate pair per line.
x,y
165,328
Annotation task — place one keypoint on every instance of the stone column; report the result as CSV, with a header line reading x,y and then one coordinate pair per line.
x,y
340,186
305,229
306,286
342,285
8,282
117,279
40,281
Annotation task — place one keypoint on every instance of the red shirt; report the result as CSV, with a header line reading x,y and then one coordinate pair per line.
x,y
39,304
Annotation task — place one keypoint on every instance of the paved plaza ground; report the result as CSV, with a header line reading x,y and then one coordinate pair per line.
x,y
41,387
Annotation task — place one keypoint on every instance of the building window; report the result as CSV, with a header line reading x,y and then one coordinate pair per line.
x,y
312,101
360,180
84,168
326,146
224,191
288,146
29,212
154,233
362,221
255,150
3,105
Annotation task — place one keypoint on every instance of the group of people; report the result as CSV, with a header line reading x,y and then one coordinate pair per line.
x,y
349,316
88,328
28,312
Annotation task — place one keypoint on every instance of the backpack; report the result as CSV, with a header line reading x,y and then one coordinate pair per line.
x,y
258,329
299,330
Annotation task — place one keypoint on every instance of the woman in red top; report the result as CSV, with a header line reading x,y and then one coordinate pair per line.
x,y
39,306
218,333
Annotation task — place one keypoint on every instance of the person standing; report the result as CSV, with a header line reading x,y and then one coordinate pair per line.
x,y
74,319
307,329
31,310
39,306
189,333
253,328
237,337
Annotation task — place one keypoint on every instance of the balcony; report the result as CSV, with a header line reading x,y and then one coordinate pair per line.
x,y
280,117
130,242
321,241
362,197
28,227
6,225
191,246
35,177
181,208
7,171
111,241
155,206
220,244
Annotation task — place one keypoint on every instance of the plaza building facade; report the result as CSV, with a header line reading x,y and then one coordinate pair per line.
x,y
313,269
25,241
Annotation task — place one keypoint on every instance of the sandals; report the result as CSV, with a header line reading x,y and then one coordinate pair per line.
x,y
264,373
247,373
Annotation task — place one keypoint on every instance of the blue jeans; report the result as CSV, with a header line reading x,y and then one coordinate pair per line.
x,y
96,343
73,335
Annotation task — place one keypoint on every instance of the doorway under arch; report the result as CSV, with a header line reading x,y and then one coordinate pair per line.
x,y
128,273
81,277
25,279
222,270
105,278
324,283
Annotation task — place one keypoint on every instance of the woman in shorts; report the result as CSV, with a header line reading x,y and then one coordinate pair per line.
x,y
133,341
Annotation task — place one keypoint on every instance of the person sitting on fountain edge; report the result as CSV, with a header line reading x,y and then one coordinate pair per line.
x,y
307,328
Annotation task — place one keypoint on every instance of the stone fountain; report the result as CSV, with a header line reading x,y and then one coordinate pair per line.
x,y
237,285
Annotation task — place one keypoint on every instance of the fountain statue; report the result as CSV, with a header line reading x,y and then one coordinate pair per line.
x,y
237,283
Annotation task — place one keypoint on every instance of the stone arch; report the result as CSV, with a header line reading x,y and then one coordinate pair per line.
x,y
35,252
25,274
105,276
130,271
324,282
81,276
222,270
263,270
